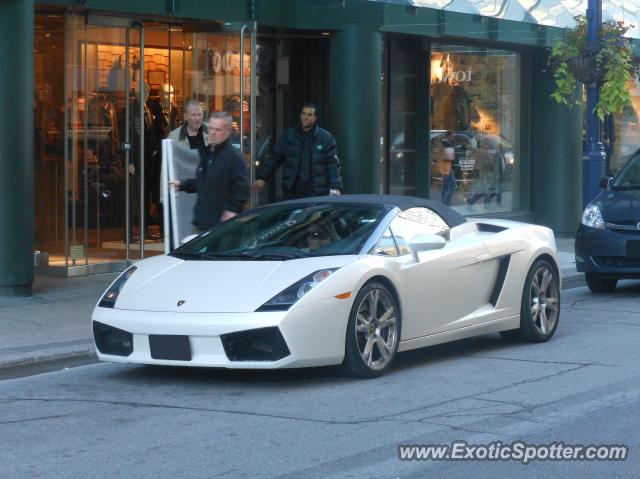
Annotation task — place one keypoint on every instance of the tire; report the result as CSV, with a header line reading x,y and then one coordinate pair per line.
x,y
540,307
373,332
598,284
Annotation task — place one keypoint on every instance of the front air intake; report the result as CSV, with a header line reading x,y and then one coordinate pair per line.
x,y
264,344
110,340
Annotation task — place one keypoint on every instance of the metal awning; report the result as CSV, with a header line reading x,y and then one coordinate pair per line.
x,y
554,13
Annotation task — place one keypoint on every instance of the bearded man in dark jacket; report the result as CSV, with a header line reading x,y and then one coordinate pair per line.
x,y
310,157
222,178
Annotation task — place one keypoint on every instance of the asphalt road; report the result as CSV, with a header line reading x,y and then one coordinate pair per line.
x,y
105,420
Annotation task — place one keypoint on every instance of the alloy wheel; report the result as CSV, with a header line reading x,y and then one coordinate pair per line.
x,y
544,300
376,329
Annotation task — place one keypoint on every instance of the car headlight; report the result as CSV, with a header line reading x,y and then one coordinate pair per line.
x,y
109,298
286,298
592,217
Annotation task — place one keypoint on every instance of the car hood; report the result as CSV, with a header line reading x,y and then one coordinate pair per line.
x,y
619,206
160,283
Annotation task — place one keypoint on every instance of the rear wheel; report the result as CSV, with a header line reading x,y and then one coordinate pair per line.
x,y
373,332
598,284
540,310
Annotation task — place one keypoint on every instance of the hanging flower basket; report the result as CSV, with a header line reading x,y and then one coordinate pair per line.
x,y
584,70
611,64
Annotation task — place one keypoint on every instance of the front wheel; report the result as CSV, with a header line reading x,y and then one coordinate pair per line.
x,y
540,310
373,332
600,285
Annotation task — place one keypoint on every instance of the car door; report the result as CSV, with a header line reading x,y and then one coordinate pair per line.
x,y
444,288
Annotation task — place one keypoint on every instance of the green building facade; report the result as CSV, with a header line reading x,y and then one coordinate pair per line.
x,y
426,102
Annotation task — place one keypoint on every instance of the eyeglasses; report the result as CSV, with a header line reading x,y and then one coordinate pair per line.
x,y
318,235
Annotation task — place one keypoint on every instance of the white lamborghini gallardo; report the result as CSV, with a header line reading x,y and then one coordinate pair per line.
x,y
348,280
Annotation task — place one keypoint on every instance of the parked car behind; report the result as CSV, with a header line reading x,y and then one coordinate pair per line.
x,y
607,243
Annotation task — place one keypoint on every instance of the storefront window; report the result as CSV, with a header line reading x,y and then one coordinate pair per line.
x,y
622,132
474,138
99,124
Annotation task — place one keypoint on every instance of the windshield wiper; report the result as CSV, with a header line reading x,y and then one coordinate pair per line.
x,y
243,256
273,256
224,256
186,255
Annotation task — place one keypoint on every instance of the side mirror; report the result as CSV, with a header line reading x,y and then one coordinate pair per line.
x,y
605,182
186,239
426,243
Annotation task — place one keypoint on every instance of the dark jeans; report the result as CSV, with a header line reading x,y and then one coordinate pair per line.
x,y
449,185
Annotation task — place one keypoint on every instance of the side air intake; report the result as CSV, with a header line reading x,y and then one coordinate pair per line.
x,y
489,228
502,274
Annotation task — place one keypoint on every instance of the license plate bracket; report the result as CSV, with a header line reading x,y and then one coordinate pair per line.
x,y
170,346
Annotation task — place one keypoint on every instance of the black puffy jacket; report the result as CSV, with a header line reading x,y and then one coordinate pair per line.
x,y
325,167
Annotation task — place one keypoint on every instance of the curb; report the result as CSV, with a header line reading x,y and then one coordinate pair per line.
x,y
46,363
573,281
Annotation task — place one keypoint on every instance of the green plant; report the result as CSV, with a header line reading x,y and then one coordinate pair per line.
x,y
612,64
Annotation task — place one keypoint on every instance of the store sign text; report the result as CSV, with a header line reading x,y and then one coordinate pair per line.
x,y
227,61
458,76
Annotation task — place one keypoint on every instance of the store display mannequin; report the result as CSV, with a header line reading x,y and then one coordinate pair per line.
x,y
151,156
462,109
163,111
150,143
102,115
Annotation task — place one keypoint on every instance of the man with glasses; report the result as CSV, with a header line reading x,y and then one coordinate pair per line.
x,y
310,157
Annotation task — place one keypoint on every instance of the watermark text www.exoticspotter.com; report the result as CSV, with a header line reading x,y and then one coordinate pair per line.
x,y
516,451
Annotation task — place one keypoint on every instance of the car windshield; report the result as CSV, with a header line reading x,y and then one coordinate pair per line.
x,y
287,231
629,177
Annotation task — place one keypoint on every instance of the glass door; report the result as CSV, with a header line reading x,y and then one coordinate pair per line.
x,y
121,109
105,177
125,85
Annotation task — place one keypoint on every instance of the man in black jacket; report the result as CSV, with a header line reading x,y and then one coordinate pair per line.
x,y
310,157
222,178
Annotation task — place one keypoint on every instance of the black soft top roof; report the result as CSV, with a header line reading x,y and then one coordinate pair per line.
x,y
452,217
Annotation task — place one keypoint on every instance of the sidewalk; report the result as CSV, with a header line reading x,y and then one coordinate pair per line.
x,y
53,325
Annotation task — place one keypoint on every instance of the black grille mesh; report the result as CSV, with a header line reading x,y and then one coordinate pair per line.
x,y
110,340
263,344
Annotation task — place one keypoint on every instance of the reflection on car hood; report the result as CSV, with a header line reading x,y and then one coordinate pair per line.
x,y
619,206
161,282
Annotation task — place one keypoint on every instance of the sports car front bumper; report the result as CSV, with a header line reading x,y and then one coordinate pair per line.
x,y
313,335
